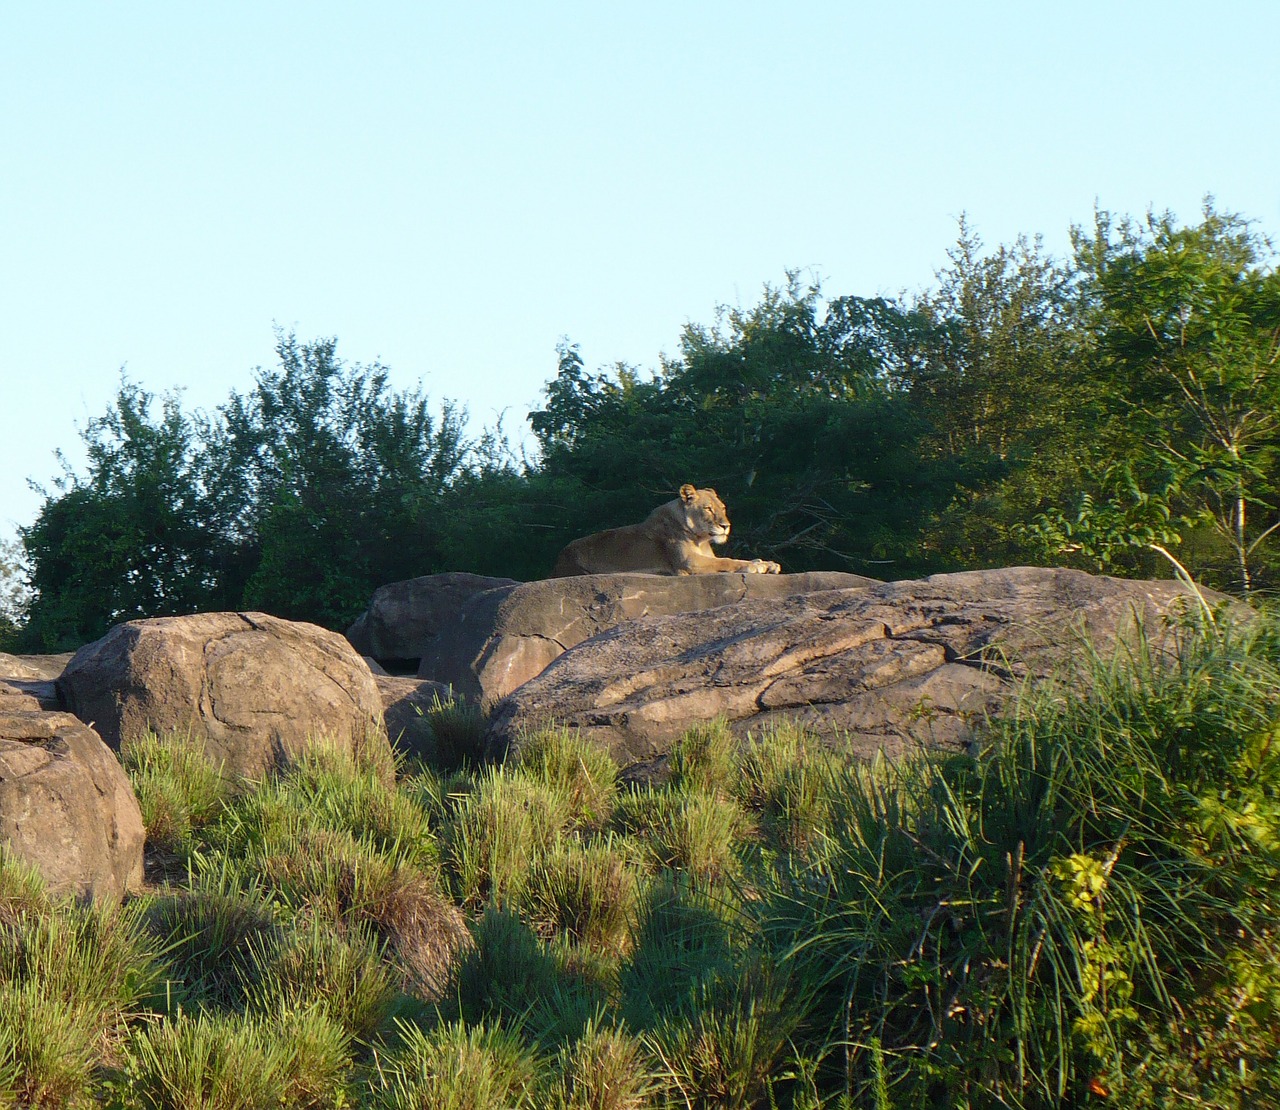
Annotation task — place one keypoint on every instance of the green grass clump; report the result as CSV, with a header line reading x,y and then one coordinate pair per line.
x,y
179,788
498,833
588,892
236,1062
327,790
457,734
685,829
705,760
49,1047
72,978
606,1068
586,775
787,782
459,1067
343,974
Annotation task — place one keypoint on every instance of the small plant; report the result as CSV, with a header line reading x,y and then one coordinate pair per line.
x,y
704,759
587,892
457,734
786,782
606,1068
498,833
213,935
236,1062
687,829
49,1048
342,974
721,1050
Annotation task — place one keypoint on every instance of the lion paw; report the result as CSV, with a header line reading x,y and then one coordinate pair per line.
x,y
763,566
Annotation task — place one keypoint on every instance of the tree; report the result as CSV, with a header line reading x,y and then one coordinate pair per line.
x,y
1189,333
15,594
300,497
126,540
784,408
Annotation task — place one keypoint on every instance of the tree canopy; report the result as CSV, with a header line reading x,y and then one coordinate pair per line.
x,y
1024,409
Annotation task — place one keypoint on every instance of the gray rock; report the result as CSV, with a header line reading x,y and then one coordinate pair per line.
x,y
405,618
255,688
405,702
887,667
66,806
504,637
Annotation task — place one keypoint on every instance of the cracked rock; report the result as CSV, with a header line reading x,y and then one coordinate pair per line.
x,y
501,638
883,667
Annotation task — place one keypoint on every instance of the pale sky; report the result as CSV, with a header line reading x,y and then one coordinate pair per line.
x,y
450,188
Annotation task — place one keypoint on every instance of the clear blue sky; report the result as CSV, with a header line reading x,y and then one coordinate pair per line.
x,y
450,188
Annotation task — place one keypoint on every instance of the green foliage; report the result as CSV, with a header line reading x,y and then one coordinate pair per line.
x,y
236,1062
459,1067
498,832
586,775
606,1068
178,786
457,734
299,498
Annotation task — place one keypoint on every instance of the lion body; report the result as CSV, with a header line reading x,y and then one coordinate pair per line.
x,y
675,538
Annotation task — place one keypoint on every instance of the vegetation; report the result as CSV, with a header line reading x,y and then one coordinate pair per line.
x,y
1023,409
1084,912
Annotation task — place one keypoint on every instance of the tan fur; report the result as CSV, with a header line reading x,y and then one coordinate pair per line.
x,y
675,538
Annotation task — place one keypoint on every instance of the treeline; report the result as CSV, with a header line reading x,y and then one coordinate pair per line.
x,y
1087,411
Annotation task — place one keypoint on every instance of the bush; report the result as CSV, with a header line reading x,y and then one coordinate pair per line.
x,y
1039,922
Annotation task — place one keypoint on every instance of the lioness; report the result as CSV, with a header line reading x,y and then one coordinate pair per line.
x,y
676,538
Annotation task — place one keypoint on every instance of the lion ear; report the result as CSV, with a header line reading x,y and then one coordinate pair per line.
x,y
687,492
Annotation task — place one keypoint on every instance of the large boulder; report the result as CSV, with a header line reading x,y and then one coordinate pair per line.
x,y
886,667
255,688
66,806
501,638
404,619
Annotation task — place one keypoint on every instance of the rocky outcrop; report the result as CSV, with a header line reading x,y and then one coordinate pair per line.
x,y
886,667
255,688
404,619
501,638
66,806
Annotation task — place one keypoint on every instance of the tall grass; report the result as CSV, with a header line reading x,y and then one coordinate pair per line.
x,y
1013,929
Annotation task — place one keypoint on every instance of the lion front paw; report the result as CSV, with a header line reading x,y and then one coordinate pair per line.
x,y
763,566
